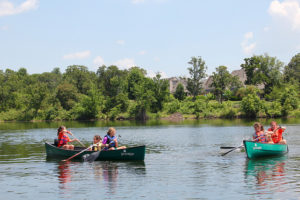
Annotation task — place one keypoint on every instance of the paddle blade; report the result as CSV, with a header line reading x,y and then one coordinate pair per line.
x,y
91,157
227,147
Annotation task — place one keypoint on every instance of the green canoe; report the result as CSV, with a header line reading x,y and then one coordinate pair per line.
x,y
129,154
257,149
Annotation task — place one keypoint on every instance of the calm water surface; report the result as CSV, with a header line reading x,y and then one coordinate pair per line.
x,y
182,162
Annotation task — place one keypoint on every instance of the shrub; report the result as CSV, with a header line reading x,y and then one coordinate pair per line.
x,y
273,109
251,105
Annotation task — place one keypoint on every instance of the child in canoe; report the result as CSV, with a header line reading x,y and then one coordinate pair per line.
x,y
111,141
275,133
259,135
97,143
63,138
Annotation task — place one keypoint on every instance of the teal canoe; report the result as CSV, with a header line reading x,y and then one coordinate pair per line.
x,y
129,154
257,149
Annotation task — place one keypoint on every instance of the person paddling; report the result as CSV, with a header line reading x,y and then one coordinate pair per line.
x,y
276,133
259,135
111,140
63,138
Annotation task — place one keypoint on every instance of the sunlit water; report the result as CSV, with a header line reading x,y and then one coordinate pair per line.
x,y
182,162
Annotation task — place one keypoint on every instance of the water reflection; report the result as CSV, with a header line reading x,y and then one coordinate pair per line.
x,y
99,173
64,174
269,174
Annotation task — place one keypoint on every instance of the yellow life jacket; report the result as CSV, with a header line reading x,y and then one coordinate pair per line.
x,y
97,147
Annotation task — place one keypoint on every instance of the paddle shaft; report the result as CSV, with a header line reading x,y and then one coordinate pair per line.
x,y
231,150
77,140
80,152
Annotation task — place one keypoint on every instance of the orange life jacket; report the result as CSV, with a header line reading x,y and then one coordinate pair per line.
x,y
63,139
277,136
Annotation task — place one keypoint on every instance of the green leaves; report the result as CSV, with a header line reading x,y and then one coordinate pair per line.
x,y
251,105
264,70
197,73
180,94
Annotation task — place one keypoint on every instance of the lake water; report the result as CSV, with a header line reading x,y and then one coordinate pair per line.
x,y
182,162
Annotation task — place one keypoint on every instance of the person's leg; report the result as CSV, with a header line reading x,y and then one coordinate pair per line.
x,y
122,147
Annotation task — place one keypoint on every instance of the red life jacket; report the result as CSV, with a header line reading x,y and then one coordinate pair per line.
x,y
63,139
277,136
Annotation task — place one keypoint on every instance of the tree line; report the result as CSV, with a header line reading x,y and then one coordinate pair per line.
x,y
271,90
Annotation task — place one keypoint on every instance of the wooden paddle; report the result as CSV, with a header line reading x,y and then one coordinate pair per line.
x,y
77,139
79,153
223,154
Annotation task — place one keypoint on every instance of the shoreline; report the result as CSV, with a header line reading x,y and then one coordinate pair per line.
x,y
175,117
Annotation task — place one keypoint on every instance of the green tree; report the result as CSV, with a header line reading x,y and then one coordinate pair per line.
x,y
220,82
251,105
67,95
264,70
292,70
90,106
197,73
144,98
135,76
161,92
80,77
37,94
111,80
180,94
289,100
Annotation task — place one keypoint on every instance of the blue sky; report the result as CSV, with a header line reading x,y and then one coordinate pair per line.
x,y
157,35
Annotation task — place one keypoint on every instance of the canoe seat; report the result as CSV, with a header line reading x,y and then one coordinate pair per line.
x,y
55,142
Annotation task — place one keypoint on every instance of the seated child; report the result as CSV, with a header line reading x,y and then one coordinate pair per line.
x,y
111,141
97,143
259,135
63,138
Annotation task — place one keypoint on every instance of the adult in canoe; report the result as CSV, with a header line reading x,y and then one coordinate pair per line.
x,y
111,141
276,133
63,138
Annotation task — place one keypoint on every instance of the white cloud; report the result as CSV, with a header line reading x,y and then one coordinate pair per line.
x,y
288,11
77,55
98,61
142,52
125,63
248,47
137,1
248,35
120,42
8,8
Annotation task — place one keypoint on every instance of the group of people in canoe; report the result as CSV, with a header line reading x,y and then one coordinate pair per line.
x,y
273,135
109,141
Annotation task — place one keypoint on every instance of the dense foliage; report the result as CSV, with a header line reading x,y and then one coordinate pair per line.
x,y
271,90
